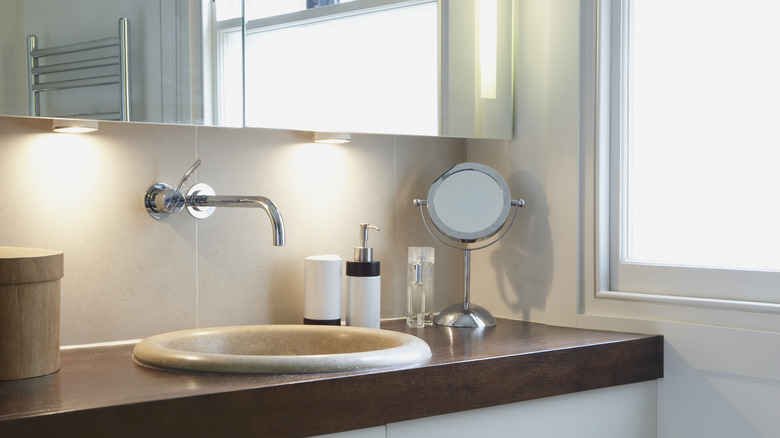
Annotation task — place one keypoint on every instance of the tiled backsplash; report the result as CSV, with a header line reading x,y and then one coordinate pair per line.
x,y
128,276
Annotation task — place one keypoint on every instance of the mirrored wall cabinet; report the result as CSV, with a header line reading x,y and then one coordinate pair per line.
x,y
170,62
417,67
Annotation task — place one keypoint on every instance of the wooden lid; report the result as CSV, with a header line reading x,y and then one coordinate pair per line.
x,y
30,265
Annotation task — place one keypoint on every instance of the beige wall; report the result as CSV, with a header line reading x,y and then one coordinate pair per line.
x,y
128,276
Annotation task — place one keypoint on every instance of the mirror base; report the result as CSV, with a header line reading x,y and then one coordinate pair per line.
x,y
457,315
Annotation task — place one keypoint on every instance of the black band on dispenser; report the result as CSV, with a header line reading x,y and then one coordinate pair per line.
x,y
362,269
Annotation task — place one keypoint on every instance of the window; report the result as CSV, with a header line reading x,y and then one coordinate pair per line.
x,y
366,64
688,186
226,52
256,9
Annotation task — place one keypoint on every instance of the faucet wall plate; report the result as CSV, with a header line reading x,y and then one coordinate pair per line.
x,y
196,211
149,200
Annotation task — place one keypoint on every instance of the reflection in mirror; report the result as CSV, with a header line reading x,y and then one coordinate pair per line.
x,y
264,9
416,67
174,48
468,202
354,65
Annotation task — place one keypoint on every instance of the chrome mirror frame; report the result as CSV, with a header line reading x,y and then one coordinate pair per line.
x,y
444,225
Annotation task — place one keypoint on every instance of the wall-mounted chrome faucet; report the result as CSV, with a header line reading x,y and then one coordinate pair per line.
x,y
162,200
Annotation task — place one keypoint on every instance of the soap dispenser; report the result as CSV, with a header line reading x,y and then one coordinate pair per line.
x,y
363,284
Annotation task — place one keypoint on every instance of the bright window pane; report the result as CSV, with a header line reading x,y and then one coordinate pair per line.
x,y
704,158
377,71
231,91
227,9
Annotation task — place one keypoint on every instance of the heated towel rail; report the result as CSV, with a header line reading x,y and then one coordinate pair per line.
x,y
93,66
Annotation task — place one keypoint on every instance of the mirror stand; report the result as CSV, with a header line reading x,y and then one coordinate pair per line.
x,y
466,314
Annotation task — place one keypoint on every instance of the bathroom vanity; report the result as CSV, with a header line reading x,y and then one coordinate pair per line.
x,y
100,390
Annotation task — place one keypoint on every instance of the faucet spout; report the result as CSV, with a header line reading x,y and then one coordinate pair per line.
x,y
277,223
202,205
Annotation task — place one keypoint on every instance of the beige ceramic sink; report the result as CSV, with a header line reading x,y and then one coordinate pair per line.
x,y
280,349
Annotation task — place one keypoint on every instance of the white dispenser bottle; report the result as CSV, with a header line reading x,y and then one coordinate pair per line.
x,y
363,284
322,290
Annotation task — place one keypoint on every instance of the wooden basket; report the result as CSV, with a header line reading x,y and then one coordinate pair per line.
x,y
29,312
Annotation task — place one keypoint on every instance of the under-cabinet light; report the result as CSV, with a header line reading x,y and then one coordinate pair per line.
x,y
332,137
74,126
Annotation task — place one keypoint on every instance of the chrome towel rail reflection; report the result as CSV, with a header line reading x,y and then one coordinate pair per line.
x,y
90,71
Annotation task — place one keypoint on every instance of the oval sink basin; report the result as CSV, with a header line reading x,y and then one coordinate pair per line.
x,y
280,349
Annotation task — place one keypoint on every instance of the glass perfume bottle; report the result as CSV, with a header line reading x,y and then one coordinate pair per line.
x,y
420,281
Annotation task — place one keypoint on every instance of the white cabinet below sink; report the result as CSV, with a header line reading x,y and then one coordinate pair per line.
x,y
615,412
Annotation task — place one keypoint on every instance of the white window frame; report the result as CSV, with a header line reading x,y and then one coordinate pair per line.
x,y
601,100
216,67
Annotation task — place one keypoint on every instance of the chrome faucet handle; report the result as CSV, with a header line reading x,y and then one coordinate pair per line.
x,y
162,199
188,174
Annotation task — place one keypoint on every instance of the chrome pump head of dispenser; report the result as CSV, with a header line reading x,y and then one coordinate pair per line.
x,y
363,253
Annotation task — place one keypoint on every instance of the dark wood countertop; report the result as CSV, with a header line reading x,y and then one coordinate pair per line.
x,y
100,391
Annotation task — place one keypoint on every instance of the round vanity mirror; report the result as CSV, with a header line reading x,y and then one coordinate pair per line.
x,y
469,202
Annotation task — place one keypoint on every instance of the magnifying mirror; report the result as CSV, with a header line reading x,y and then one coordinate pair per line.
x,y
469,202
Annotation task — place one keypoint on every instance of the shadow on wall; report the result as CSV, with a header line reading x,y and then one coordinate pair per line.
x,y
523,261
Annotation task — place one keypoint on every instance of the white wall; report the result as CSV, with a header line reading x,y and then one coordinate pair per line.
x,y
721,381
